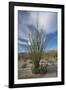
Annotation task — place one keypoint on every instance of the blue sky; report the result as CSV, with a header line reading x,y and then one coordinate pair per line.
x,y
47,21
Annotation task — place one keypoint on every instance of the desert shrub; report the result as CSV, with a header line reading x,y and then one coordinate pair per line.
x,y
39,70
35,70
30,62
24,65
43,69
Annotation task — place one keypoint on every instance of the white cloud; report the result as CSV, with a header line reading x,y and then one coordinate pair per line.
x,y
46,20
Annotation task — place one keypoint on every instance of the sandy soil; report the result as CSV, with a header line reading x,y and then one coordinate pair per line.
x,y
27,73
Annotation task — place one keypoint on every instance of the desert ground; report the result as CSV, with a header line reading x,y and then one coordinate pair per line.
x,y
24,70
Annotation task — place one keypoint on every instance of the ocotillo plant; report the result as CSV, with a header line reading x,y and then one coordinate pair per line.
x,y
36,47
